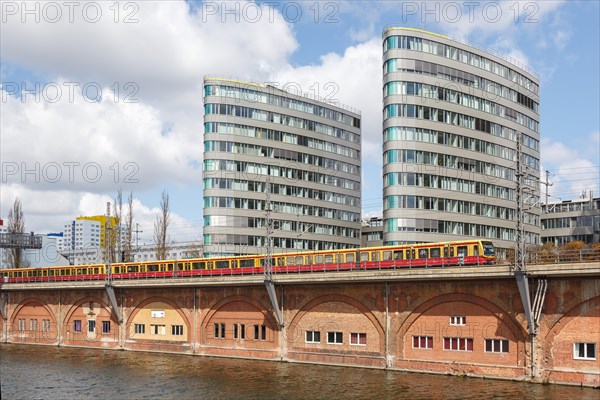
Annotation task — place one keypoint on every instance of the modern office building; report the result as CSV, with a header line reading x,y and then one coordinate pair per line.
x,y
572,220
309,151
454,118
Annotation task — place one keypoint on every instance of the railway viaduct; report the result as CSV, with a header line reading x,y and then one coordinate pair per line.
x,y
461,321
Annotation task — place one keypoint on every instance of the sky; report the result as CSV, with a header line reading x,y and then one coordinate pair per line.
x,y
101,96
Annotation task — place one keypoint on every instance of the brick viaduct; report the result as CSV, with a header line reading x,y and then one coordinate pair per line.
x,y
462,321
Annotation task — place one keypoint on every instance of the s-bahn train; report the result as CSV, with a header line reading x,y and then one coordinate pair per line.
x,y
459,253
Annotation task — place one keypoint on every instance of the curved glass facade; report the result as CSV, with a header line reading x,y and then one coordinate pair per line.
x,y
309,149
452,117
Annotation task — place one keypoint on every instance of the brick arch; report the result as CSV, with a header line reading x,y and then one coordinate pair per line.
x,y
26,302
232,299
342,299
10,329
585,306
560,354
80,302
159,299
505,318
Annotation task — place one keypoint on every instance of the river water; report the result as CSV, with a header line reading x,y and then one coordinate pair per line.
x,y
42,372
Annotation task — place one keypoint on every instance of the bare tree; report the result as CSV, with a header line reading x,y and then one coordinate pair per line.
x,y
161,224
116,232
16,225
127,246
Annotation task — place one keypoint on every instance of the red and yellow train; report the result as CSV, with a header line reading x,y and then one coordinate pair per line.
x,y
459,253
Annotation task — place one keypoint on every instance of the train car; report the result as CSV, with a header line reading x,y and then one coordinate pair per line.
x,y
458,253
54,274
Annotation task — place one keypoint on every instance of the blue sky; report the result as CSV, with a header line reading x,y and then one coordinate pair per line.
x,y
147,60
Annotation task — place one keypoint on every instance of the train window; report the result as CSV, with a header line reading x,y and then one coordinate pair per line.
x,y
209,265
387,255
45,272
423,253
299,260
170,267
280,261
398,254
180,267
290,261
319,259
222,264
246,263
134,268
78,271
462,250
339,258
328,258
149,268
117,270
412,254
488,248
51,272
350,257
435,253
364,256
374,256
309,260
451,251
84,271
476,250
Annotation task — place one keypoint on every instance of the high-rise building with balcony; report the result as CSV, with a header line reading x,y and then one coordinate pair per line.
x,y
455,119
309,152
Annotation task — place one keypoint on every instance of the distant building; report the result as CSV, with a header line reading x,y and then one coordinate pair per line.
x,y
452,117
371,232
147,252
310,149
571,220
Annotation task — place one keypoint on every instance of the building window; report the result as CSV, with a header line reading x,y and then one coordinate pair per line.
x,y
260,330
77,325
458,344
220,331
92,326
313,337
158,330
239,331
139,328
177,330
105,326
496,345
46,325
584,351
21,325
458,321
358,339
335,338
33,325
422,342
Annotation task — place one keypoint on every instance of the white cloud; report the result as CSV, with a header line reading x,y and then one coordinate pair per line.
x,y
76,150
570,173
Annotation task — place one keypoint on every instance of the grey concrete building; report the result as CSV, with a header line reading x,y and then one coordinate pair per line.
x,y
571,220
309,149
453,116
